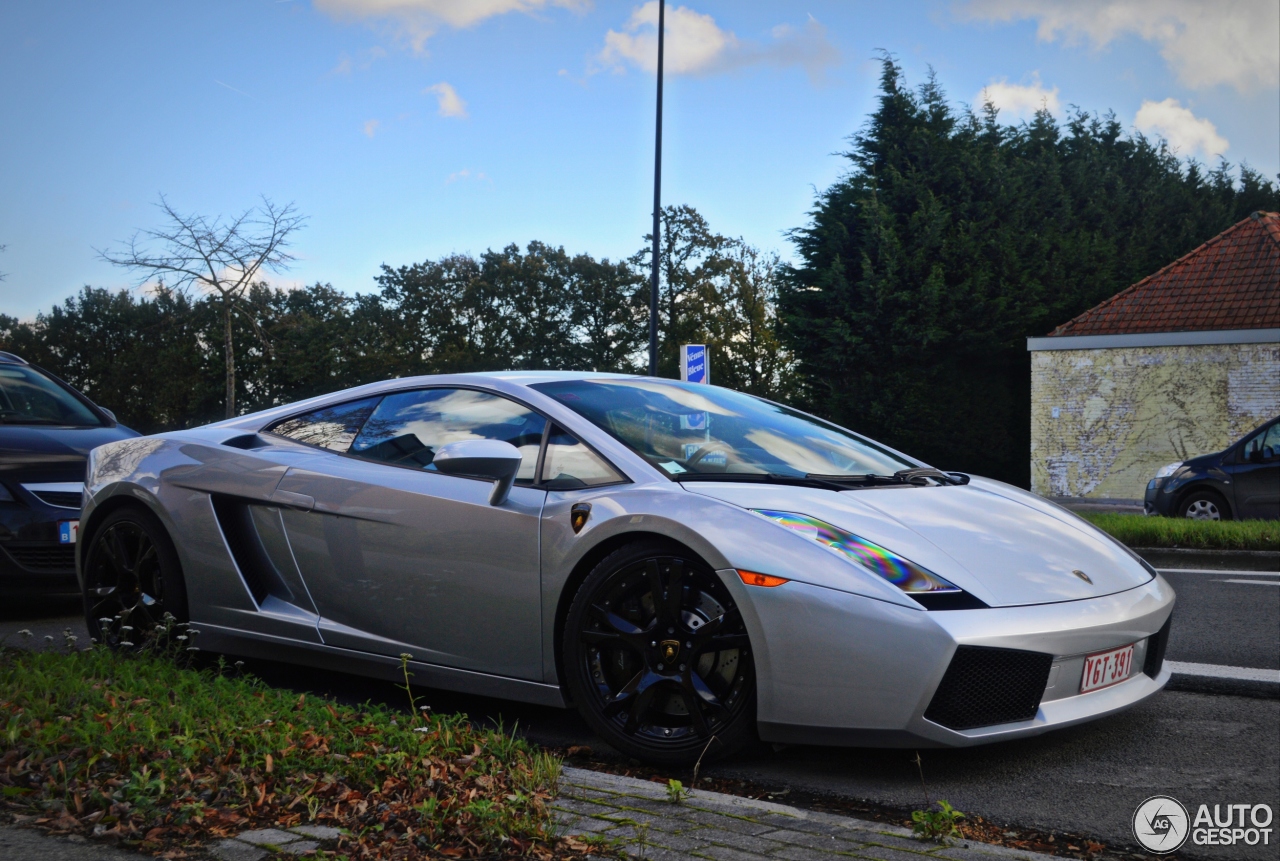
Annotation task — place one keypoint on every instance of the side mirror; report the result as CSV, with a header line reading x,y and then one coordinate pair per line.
x,y
1256,455
481,458
110,414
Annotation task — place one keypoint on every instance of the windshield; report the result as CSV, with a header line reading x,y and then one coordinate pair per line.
x,y
28,397
688,430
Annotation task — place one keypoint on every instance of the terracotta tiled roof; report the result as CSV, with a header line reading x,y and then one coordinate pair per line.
x,y
1230,282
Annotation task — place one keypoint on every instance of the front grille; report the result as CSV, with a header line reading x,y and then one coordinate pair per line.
x,y
44,557
59,498
985,687
1156,645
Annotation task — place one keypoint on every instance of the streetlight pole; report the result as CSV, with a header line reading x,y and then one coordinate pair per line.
x,y
657,205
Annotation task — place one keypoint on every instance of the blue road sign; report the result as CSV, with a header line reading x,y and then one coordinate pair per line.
x,y
694,367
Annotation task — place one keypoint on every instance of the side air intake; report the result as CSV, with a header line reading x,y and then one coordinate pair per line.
x,y
235,518
985,686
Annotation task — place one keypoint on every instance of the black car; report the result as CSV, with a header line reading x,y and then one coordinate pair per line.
x,y
46,431
1240,483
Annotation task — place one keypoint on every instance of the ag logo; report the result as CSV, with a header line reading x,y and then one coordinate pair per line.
x,y
1161,824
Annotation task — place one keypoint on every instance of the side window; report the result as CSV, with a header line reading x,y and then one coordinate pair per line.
x,y
1271,445
331,427
408,428
569,464
1264,446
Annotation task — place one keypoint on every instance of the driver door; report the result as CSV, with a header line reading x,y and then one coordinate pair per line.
x,y
1256,476
401,558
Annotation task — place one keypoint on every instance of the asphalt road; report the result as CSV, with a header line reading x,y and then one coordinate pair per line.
x,y
1225,618
1198,748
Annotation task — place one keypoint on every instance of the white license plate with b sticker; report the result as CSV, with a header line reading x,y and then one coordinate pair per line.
x,y
1104,669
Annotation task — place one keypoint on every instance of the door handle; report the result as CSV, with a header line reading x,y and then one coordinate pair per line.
x,y
288,499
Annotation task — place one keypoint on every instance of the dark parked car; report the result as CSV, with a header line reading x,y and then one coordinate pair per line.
x,y
46,431
1240,483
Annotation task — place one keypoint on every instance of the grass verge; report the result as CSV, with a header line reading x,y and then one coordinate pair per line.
x,y
136,749
1138,531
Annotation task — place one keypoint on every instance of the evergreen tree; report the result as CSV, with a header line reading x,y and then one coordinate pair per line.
x,y
953,238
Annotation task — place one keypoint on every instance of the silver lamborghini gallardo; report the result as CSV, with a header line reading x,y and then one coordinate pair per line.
x,y
687,565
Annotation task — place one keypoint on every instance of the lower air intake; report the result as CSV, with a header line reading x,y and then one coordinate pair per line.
x,y
985,687
1155,650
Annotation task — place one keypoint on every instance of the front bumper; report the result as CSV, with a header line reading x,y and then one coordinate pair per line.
x,y
33,561
837,668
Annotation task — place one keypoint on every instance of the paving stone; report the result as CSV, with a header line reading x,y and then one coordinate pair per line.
x,y
268,837
919,852
905,844
318,832
729,823
234,850
301,847
804,853
827,842
725,853
808,825
657,853
587,825
746,842
586,808
685,842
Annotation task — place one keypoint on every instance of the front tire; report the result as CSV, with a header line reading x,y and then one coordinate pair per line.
x,y
132,580
1204,505
657,657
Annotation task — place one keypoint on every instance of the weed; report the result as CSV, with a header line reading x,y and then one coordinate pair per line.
x,y
676,793
937,824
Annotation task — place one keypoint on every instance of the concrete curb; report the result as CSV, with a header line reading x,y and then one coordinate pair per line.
x,y
1213,679
711,825
1223,560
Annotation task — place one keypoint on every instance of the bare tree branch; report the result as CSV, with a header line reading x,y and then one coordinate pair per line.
x,y
216,257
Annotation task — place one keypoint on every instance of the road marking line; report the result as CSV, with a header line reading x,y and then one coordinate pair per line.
x,y
1254,582
1217,671
1217,571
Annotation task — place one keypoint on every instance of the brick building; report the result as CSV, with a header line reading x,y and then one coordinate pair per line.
x,y
1182,363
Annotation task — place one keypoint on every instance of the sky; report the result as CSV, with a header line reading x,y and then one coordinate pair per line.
x,y
406,130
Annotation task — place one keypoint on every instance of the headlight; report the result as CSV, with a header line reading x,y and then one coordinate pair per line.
x,y
903,573
1168,469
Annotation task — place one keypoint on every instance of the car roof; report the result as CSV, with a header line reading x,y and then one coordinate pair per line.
x,y
529,378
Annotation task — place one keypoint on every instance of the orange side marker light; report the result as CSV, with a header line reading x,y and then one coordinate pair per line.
x,y
751,578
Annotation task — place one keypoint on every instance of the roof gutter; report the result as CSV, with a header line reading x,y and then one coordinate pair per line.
x,y
1154,339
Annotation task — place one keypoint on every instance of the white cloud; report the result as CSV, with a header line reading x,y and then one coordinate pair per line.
x,y
451,104
695,44
1229,42
371,127
1020,100
466,173
1185,132
416,21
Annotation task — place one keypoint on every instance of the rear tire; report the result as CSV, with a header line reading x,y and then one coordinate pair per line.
x,y
657,659
132,580
1204,505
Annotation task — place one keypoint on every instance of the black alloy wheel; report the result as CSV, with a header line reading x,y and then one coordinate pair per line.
x,y
657,657
132,579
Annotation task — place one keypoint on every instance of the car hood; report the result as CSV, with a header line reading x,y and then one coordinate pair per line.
x,y
1000,544
28,450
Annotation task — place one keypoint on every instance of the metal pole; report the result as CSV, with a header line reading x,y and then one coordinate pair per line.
x,y
657,205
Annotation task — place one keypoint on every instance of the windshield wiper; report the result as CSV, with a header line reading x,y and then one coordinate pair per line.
x,y
823,482
920,476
